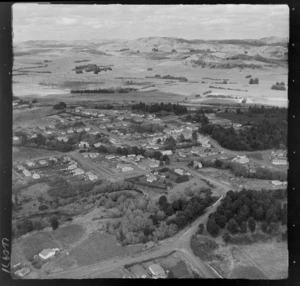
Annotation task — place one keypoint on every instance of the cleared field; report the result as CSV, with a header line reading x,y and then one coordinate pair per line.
x,y
100,246
69,234
246,272
117,273
181,270
257,156
34,244
272,258
24,153
262,260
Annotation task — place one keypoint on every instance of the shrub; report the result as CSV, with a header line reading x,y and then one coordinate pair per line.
x,y
54,222
226,237
182,179
264,227
37,225
60,105
251,224
212,227
43,207
200,228
24,226
284,235
254,81
232,226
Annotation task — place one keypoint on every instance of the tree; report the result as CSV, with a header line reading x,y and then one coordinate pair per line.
x,y
264,227
226,236
220,220
200,228
273,228
195,135
259,213
181,138
232,226
212,227
243,227
54,222
162,200
251,224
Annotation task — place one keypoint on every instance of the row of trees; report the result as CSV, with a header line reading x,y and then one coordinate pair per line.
x,y
146,127
28,225
240,211
157,107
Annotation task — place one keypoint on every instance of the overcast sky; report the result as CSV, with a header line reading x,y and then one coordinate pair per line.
x,y
85,22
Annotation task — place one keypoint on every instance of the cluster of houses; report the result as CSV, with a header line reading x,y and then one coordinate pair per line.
x,y
154,271
127,163
44,255
33,165
279,158
181,172
38,164
75,170
241,159
276,183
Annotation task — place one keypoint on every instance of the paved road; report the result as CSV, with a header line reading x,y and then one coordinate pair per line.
x,y
180,242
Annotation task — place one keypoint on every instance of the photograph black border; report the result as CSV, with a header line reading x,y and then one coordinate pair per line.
x,y
6,61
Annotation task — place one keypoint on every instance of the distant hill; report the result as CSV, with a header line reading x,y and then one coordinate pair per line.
x,y
230,53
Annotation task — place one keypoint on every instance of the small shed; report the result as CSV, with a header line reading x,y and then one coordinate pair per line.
x,y
48,253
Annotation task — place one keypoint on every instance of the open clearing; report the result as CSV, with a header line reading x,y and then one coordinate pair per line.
x,y
25,153
262,260
272,258
63,237
100,246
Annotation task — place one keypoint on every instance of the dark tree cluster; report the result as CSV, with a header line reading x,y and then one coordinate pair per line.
x,y
242,210
254,81
198,116
157,107
279,86
267,133
184,212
